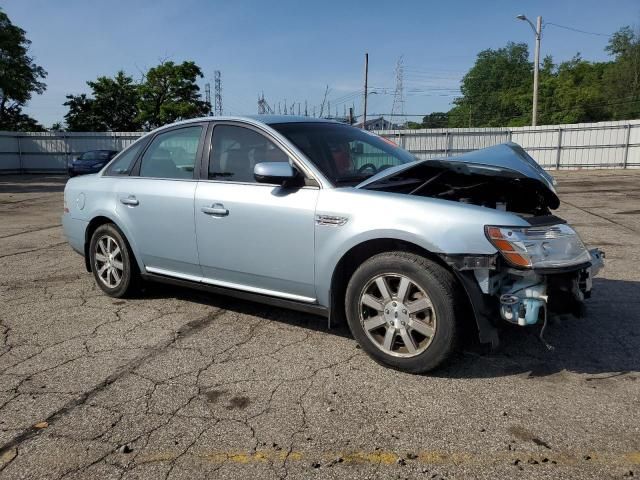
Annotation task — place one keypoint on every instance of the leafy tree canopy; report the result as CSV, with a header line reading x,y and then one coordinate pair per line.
x,y
497,90
20,77
112,107
169,93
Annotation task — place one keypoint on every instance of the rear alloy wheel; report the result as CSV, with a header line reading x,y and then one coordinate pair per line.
x,y
111,262
402,309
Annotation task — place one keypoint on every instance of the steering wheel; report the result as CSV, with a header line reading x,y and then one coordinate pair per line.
x,y
368,166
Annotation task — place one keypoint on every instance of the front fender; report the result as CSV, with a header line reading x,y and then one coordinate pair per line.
x,y
438,226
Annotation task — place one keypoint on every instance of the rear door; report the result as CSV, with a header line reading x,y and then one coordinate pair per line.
x,y
156,202
253,236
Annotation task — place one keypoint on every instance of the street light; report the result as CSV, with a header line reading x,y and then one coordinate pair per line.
x,y
537,30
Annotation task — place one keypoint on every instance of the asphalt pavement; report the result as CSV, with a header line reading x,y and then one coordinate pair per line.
x,y
182,384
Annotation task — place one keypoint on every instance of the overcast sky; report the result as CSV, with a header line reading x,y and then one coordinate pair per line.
x,y
292,49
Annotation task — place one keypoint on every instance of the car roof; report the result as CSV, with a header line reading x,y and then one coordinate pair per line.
x,y
253,119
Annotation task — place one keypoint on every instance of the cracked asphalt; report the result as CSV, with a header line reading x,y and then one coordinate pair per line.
x,y
179,384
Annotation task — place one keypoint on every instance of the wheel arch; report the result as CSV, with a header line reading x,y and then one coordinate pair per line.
x,y
97,221
358,254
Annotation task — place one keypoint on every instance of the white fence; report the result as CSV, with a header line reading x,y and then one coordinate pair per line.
x,y
585,145
573,146
50,152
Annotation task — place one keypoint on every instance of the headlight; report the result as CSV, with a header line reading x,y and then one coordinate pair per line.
x,y
539,247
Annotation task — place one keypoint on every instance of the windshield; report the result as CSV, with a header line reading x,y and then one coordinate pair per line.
x,y
345,155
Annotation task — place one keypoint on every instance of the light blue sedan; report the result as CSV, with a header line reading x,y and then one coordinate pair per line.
x,y
330,219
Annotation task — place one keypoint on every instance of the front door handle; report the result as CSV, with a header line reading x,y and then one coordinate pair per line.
x,y
131,200
217,210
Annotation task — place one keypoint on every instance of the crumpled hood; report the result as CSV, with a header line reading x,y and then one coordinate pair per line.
x,y
507,159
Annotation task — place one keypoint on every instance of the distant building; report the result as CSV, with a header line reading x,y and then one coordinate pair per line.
x,y
378,124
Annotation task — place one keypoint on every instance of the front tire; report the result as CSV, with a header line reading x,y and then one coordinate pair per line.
x,y
403,311
112,262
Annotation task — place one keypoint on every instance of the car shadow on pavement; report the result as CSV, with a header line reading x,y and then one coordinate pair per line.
x,y
32,183
606,342
246,307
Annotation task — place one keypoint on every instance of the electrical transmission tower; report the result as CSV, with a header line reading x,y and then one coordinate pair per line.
x,y
207,95
217,85
397,109
263,106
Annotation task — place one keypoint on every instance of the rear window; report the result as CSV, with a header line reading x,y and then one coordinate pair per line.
x,y
124,161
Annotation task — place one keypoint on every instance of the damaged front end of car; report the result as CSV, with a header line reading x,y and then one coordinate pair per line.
x,y
524,296
537,269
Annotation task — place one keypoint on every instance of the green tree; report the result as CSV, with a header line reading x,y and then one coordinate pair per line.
x,y
435,120
116,102
622,77
169,92
20,77
432,120
81,116
497,89
112,107
573,92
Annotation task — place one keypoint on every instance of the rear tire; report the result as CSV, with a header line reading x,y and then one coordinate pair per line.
x,y
112,262
403,309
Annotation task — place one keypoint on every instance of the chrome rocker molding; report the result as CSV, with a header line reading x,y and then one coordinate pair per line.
x,y
275,299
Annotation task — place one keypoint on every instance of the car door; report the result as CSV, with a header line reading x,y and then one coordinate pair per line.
x,y
156,202
253,236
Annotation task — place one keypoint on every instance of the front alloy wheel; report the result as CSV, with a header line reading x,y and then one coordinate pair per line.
x,y
397,315
403,310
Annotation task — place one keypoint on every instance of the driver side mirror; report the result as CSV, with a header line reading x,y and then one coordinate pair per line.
x,y
280,173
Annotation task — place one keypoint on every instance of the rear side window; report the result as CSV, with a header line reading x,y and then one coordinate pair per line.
x,y
124,163
172,154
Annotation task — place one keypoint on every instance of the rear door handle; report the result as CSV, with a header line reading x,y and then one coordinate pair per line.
x,y
131,200
217,210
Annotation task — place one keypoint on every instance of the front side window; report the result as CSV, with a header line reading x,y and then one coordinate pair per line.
x,y
346,155
123,164
172,154
235,151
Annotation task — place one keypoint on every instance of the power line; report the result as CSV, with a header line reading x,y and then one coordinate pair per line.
x,y
578,30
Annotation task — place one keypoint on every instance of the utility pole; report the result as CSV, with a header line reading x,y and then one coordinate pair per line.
x,y
536,72
537,30
366,79
324,101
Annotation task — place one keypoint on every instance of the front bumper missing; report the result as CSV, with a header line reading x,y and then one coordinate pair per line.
x,y
526,300
485,280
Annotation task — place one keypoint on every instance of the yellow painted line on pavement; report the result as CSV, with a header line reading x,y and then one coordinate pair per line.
x,y
381,457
